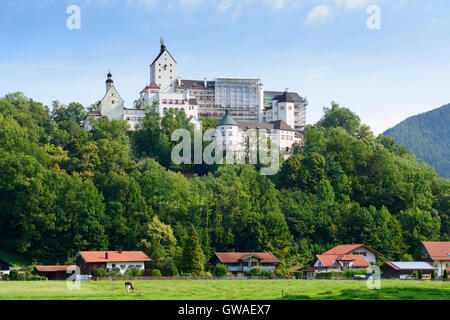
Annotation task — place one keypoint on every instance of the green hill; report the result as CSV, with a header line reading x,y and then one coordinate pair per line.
x,y
428,136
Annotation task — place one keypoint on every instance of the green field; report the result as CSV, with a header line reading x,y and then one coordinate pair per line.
x,y
225,290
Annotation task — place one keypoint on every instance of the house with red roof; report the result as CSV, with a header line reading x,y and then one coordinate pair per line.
x,y
119,261
343,257
240,262
437,253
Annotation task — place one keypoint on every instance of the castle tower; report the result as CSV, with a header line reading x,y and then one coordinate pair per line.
x,y
163,70
286,109
227,135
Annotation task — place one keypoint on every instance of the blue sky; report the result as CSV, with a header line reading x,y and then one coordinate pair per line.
x,y
319,48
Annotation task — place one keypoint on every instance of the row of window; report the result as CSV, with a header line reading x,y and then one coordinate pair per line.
x,y
167,101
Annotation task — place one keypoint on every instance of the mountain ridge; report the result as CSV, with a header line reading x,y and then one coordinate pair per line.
x,y
428,136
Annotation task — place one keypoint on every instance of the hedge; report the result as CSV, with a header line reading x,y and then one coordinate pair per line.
x,y
297,274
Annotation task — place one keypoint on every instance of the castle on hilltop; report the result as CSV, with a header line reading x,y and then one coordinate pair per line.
x,y
244,100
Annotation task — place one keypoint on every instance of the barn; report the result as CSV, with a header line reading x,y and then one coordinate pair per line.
x,y
404,270
54,272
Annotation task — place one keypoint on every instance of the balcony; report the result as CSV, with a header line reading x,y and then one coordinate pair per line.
x,y
247,268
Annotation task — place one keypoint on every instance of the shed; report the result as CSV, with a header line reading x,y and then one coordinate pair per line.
x,y
404,270
55,272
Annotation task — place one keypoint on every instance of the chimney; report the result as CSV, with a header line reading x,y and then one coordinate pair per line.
x,y
106,255
179,82
205,83
120,251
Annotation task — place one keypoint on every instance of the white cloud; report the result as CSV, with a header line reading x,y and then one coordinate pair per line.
x,y
145,3
353,4
320,14
277,4
190,3
361,4
224,5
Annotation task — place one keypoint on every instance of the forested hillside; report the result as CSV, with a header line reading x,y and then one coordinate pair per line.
x,y
428,136
63,189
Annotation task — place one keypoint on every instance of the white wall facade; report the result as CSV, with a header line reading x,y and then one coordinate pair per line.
x,y
111,106
368,255
124,266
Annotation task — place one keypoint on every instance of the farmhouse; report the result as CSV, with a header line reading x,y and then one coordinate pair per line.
x,y
343,257
404,270
119,261
240,262
436,253
5,267
55,272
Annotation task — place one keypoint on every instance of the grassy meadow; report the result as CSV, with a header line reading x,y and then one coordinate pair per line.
x,y
226,290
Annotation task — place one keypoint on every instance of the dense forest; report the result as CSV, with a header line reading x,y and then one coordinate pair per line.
x,y
64,189
428,136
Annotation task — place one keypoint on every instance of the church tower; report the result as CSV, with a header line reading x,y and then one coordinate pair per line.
x,y
109,82
111,106
163,70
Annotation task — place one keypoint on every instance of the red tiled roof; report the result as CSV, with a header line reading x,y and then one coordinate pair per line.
x,y
329,260
438,250
113,256
295,268
93,113
359,261
145,89
153,85
332,260
52,268
347,248
392,265
233,257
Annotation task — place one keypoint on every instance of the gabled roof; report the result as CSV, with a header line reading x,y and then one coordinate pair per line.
x,y
332,260
113,256
281,125
285,97
413,265
348,248
295,268
235,257
438,250
270,95
153,85
145,89
160,54
52,268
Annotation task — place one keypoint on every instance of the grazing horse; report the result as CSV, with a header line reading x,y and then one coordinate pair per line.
x,y
129,287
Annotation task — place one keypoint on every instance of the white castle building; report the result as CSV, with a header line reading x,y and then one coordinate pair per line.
x,y
243,100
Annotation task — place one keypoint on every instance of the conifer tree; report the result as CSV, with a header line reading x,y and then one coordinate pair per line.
x,y
193,257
